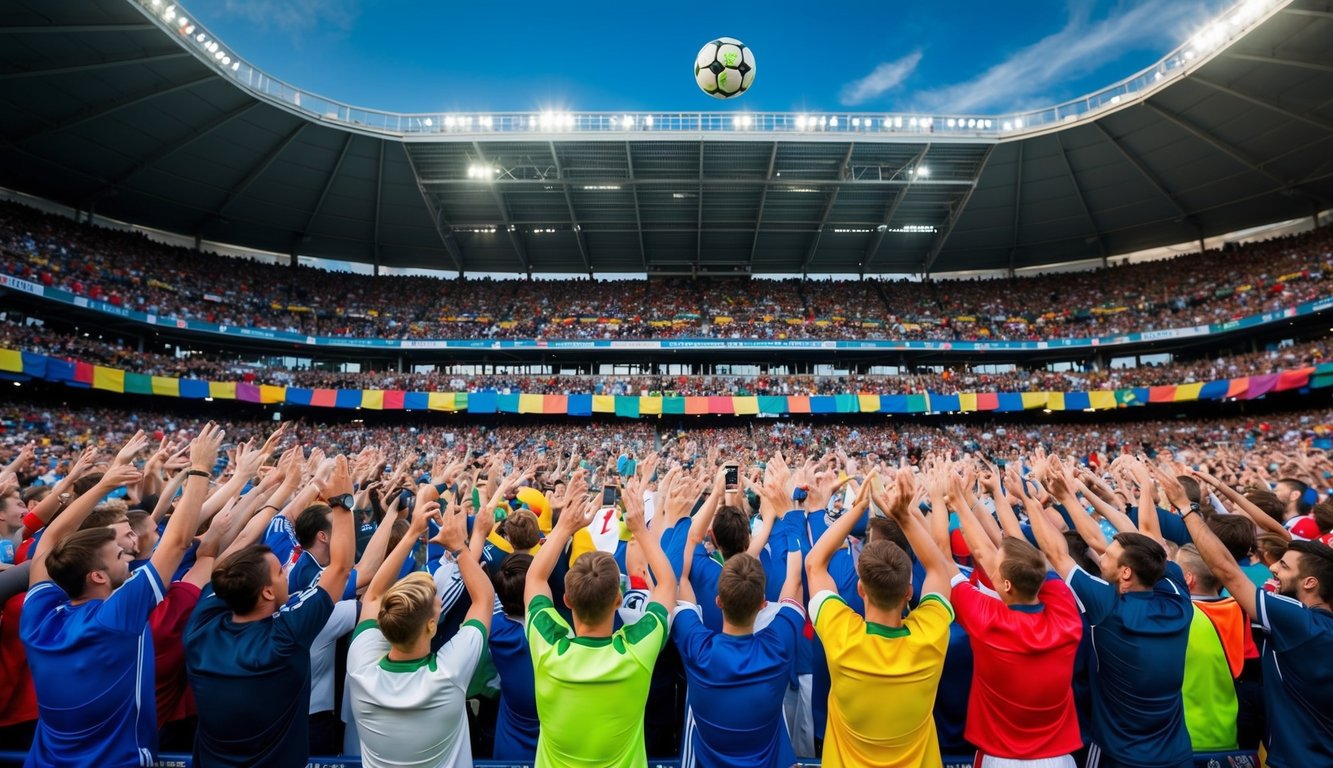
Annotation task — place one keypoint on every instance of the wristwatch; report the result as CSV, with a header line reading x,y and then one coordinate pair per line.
x,y
1193,508
345,500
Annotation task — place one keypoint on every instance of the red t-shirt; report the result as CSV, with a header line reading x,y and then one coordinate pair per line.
x,y
18,699
1022,700
167,623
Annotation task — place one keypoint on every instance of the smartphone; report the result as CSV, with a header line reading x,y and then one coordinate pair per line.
x,y
610,495
733,476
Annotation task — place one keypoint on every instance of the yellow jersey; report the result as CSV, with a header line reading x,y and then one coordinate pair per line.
x,y
883,683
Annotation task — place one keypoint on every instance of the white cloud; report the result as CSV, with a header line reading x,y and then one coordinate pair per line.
x,y
295,15
1080,47
886,76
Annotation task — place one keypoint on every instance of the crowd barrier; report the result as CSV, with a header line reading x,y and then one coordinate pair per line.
x,y
1236,759
66,298
22,365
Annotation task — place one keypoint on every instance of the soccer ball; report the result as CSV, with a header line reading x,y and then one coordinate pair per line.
x,y
724,68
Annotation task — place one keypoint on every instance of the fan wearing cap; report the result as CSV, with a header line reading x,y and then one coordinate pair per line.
x,y
1298,673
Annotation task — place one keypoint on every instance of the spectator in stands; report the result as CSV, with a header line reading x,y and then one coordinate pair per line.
x,y
1297,620
248,648
84,607
410,704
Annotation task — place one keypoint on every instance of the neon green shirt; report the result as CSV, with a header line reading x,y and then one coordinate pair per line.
x,y
1208,689
591,691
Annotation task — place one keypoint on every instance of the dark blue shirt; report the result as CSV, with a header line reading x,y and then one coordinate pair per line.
x,y
516,726
1298,681
1138,641
252,681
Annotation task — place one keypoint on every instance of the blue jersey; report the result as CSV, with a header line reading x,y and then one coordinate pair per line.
x,y
1138,641
305,574
737,684
92,670
251,681
516,726
1298,681
1173,527
280,537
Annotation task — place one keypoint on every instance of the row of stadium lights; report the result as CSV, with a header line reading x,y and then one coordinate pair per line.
x,y
187,28
567,121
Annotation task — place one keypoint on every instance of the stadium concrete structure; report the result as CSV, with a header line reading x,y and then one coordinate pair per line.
x,y
132,110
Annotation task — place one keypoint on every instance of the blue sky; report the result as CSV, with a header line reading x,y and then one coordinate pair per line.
x,y
515,55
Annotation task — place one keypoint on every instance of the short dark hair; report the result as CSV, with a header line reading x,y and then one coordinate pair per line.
x,y
87,483
1271,546
103,516
1323,515
1316,561
313,520
1299,486
1081,552
885,571
592,586
241,576
1267,501
1023,565
1191,487
139,520
1143,556
887,529
510,579
75,556
740,588
1236,532
731,530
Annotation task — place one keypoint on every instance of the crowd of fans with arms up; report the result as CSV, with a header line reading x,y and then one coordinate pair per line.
x,y
594,594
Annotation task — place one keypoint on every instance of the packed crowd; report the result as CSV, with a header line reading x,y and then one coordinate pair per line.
x,y
128,270
592,594
951,380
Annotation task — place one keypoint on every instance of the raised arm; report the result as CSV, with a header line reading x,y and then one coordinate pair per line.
x,y
179,533
664,576
940,568
1244,506
704,519
342,542
832,540
1051,542
576,516
1060,485
425,509
1214,553
69,521
984,551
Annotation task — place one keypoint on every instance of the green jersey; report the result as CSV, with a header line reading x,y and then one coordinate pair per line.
x,y
591,691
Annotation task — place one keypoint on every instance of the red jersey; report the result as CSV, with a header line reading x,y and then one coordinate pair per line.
x,y
1022,700
175,700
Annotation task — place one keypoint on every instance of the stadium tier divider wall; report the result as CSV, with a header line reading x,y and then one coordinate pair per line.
x,y
59,296
19,365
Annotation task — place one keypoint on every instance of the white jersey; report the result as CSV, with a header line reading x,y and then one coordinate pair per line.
x,y
413,713
322,655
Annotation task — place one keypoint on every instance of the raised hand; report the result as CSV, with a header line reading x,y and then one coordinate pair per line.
x,y
132,447
204,447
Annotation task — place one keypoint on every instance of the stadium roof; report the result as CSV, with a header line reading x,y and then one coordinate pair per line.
x,y
130,107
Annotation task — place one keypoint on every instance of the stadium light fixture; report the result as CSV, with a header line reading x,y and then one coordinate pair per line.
x,y
833,122
922,170
800,122
235,67
628,121
951,122
856,123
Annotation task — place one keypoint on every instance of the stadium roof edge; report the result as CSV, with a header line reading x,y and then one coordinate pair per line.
x,y
125,126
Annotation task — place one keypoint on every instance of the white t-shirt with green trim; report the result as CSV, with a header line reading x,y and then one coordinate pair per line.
x,y
413,713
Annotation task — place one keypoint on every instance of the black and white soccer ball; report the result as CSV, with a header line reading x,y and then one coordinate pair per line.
x,y
724,68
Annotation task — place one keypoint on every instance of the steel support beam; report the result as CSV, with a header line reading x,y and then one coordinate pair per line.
x,y
763,200
379,199
1078,194
1317,66
442,228
92,66
328,183
638,218
573,217
1148,175
1304,117
1226,148
255,173
102,110
167,150
515,238
943,236
1018,206
872,250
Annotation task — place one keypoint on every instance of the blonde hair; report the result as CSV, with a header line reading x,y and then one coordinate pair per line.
x,y
407,607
